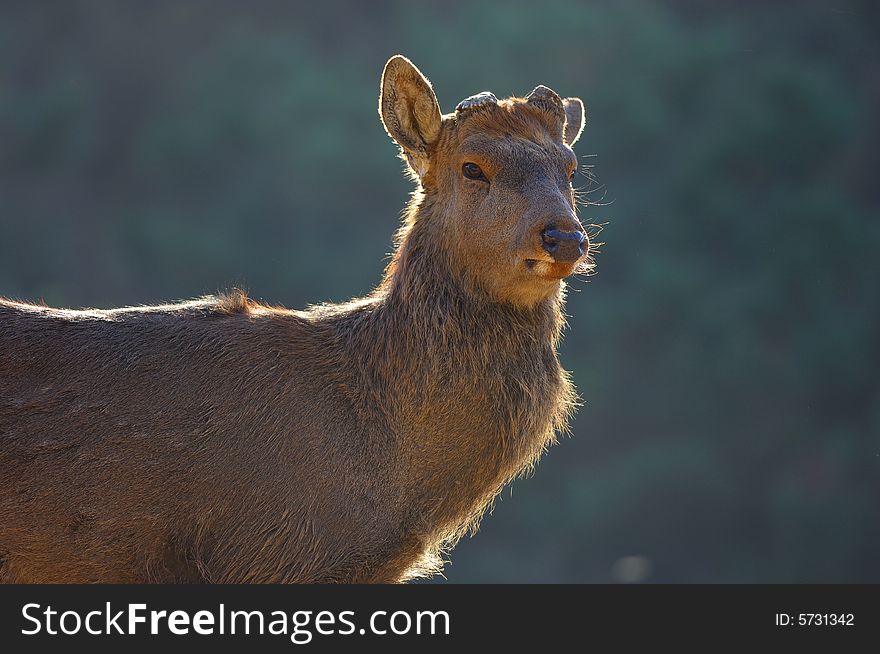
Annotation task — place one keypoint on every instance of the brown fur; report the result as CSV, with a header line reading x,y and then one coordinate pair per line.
x,y
221,440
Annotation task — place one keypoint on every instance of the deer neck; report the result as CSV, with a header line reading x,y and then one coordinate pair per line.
x,y
473,388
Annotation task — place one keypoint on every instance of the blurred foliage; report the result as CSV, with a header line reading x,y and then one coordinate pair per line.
x,y
726,349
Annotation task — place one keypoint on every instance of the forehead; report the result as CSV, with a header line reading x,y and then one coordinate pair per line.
x,y
516,149
511,130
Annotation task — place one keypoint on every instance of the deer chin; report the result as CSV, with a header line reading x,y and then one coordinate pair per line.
x,y
549,269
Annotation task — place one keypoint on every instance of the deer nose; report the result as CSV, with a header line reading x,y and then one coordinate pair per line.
x,y
564,247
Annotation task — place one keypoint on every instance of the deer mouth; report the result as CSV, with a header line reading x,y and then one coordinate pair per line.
x,y
531,263
549,269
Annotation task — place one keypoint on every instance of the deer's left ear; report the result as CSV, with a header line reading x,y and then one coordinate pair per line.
x,y
575,117
409,109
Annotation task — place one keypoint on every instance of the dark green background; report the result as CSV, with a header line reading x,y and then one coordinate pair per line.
x,y
727,347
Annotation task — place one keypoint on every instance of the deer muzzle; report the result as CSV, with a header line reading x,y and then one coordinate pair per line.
x,y
564,247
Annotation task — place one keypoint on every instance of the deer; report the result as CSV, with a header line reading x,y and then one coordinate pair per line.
x,y
224,440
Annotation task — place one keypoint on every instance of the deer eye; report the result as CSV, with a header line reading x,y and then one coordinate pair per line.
x,y
473,171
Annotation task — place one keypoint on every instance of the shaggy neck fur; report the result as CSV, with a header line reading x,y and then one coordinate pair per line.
x,y
472,390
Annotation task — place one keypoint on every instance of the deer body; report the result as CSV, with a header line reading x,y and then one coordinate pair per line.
x,y
221,440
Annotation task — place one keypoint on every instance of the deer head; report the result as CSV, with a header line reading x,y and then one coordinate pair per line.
x,y
497,175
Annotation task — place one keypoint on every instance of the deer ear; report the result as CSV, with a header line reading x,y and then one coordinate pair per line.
x,y
409,109
575,117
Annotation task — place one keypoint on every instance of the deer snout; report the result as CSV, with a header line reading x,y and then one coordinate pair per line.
x,y
564,246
